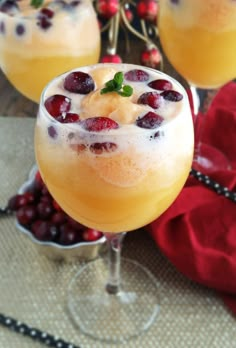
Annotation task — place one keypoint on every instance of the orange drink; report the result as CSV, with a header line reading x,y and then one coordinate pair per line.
x,y
198,38
114,161
37,44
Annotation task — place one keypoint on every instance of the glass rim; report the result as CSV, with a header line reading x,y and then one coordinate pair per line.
x,y
163,126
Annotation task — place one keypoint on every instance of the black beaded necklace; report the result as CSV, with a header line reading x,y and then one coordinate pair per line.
x,y
214,185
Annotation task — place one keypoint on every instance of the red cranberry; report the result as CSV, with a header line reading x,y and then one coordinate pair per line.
x,y
107,8
99,148
20,200
54,232
136,75
9,6
35,189
150,98
57,104
97,124
129,14
47,199
26,215
75,224
58,218
2,27
70,117
68,235
44,231
160,84
52,132
171,95
44,210
147,9
13,203
20,29
38,177
56,206
46,12
151,57
26,198
111,58
36,186
44,23
149,121
45,190
90,235
79,82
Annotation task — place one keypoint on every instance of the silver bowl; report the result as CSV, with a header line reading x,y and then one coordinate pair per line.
x,y
83,251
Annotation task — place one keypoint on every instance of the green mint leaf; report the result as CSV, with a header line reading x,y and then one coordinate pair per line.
x,y
126,92
119,78
36,3
106,90
111,85
116,85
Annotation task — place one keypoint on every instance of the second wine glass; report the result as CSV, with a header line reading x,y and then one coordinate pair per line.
x,y
41,41
198,38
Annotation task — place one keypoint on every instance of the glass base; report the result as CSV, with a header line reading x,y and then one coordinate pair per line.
x,y
210,159
113,317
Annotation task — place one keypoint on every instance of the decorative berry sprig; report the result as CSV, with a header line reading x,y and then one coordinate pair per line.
x,y
214,185
119,14
116,85
35,334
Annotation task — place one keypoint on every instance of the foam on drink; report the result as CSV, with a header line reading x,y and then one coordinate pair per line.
x,y
119,167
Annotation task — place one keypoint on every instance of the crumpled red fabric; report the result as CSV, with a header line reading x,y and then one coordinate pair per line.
x,y
198,232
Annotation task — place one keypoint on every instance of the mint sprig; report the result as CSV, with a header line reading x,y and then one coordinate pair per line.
x,y
36,3
116,85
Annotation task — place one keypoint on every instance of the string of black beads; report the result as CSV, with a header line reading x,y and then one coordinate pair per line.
x,y
35,334
5,211
214,185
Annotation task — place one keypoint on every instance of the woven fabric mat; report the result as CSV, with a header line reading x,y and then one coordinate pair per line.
x,y
33,288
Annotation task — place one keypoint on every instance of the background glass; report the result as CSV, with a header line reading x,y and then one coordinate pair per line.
x,y
198,38
37,44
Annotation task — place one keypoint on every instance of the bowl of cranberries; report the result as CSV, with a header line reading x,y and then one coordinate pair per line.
x,y
40,218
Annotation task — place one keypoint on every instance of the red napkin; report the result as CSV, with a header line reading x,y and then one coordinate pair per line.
x,y
198,232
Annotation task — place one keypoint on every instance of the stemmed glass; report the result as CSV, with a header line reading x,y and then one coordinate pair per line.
x,y
198,38
42,39
114,145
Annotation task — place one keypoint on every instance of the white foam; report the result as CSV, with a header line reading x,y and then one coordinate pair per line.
x,y
175,135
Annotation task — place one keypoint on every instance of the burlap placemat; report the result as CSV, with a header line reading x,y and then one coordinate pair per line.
x,y
33,288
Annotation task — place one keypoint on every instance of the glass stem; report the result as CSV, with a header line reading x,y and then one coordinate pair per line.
x,y
114,241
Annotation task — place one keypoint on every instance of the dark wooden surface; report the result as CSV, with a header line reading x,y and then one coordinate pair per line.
x,y
12,103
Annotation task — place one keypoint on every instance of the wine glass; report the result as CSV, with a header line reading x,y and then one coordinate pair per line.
x,y
198,38
114,145
42,39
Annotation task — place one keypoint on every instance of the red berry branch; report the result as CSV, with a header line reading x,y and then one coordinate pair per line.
x,y
138,18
